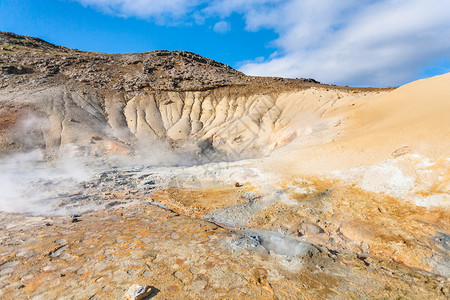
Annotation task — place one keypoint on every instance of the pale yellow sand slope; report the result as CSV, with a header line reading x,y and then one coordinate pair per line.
x,y
414,118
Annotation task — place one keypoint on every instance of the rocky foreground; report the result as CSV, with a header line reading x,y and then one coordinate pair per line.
x,y
175,172
216,240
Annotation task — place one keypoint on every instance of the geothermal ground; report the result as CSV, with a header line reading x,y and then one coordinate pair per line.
x,y
176,172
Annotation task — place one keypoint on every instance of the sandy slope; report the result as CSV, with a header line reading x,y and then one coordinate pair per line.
x,y
414,118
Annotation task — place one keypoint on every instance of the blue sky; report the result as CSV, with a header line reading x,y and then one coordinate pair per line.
x,y
70,24
347,42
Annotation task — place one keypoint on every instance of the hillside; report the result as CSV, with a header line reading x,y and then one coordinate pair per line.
x,y
71,89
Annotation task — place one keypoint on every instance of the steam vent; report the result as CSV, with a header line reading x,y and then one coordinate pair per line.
x,y
168,175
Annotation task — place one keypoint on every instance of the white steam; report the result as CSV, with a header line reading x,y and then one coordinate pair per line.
x,y
30,185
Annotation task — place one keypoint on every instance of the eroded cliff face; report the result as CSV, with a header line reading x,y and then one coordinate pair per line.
x,y
210,184
226,121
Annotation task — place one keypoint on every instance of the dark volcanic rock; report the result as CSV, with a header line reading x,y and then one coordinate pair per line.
x,y
160,70
156,70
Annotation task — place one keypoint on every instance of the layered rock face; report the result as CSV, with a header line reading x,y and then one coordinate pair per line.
x,y
282,187
253,124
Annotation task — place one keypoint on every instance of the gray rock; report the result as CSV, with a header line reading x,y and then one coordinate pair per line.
x,y
9,264
57,251
6,271
147,273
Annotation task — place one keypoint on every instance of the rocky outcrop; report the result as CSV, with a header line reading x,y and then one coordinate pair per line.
x,y
52,65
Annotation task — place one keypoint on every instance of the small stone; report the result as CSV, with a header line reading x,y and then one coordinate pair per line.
x,y
147,273
309,229
22,252
75,220
237,184
57,252
6,271
151,254
198,286
178,274
9,264
64,256
49,268
132,271
27,277
138,292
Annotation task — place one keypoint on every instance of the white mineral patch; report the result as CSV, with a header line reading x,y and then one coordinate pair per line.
x,y
387,179
442,200
302,190
404,177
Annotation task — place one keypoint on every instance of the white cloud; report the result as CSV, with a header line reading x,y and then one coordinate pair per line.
x,y
160,11
355,42
222,27
350,42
